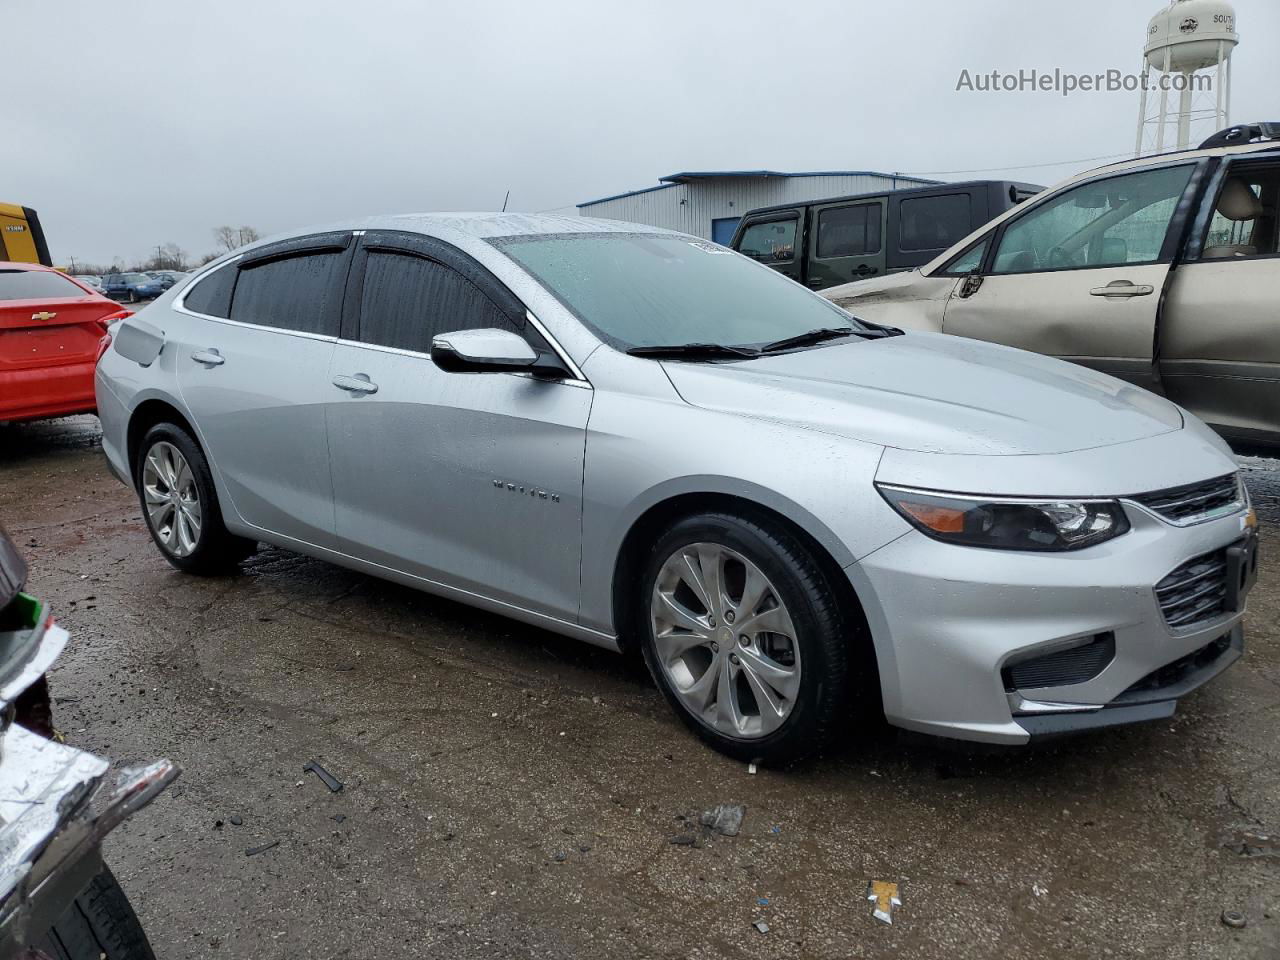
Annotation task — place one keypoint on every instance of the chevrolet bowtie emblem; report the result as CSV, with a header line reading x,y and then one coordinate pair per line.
x,y
885,897
43,316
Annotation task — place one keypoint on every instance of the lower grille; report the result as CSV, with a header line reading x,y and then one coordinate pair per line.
x,y
1188,503
1076,665
1175,673
1196,591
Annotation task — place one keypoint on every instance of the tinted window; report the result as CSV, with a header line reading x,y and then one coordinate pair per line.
x,y
849,231
659,290
212,295
1103,223
408,300
37,285
298,293
773,242
933,223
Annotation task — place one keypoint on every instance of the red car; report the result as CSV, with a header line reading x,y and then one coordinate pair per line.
x,y
52,331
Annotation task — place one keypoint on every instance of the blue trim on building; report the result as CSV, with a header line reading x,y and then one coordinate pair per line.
x,y
691,175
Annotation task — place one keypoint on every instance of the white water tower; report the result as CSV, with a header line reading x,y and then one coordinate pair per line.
x,y
1189,46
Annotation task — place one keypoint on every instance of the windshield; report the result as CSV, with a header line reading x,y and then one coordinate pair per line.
x,y
645,290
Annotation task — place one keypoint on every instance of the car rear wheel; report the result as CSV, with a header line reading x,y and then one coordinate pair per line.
x,y
133,296
745,637
180,504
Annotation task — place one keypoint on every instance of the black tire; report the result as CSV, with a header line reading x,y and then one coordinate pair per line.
x,y
99,923
133,296
217,551
826,644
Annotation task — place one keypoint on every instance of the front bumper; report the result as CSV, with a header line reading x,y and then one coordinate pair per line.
x,y
949,621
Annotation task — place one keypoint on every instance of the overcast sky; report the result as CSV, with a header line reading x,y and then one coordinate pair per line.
x,y
135,123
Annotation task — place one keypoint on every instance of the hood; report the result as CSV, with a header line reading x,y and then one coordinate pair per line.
x,y
932,393
891,286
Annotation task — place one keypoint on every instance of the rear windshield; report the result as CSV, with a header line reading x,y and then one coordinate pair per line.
x,y
37,285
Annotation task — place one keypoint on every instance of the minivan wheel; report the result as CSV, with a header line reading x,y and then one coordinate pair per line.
x,y
180,504
744,636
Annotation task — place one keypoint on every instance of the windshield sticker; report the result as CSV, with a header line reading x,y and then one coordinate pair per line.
x,y
707,247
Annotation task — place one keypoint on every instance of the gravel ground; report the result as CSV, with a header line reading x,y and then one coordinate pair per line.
x,y
509,793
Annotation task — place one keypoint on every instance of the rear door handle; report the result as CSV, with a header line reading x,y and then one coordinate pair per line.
x,y
210,357
1123,288
357,384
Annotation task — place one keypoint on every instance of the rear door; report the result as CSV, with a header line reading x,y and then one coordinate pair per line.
x,y
1079,275
846,242
50,332
253,367
473,480
774,238
1220,335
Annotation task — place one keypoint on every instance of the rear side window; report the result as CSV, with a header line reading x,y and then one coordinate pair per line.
x,y
38,285
849,231
934,223
294,293
772,242
212,295
407,300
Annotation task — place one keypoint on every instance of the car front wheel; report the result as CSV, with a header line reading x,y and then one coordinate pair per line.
x,y
745,637
180,504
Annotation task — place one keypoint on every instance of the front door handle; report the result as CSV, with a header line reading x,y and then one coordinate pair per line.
x,y
814,282
210,357
1123,288
358,384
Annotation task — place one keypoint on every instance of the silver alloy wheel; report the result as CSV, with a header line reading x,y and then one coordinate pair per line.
x,y
172,499
725,641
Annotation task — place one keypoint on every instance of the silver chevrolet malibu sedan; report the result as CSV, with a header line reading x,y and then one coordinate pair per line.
x,y
646,441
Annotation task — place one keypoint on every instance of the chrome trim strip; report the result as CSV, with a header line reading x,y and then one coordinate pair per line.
x,y
992,497
555,345
1021,706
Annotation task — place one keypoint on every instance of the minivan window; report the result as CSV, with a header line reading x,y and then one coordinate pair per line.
x,y
934,223
407,300
641,290
212,295
37,285
294,293
1108,222
770,242
849,231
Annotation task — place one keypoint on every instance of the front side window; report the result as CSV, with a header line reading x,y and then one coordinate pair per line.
x,y
293,293
649,290
970,261
1111,222
1246,215
849,231
408,300
37,285
771,242
933,223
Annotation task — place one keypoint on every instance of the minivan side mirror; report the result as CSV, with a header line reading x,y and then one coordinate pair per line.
x,y
492,351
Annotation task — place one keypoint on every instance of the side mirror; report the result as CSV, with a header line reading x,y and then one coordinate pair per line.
x,y
492,351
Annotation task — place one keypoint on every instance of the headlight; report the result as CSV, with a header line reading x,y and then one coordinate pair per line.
x,y
1005,523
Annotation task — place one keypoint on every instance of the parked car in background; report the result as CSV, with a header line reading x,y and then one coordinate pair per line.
x,y
792,515
167,278
90,280
132,286
52,331
1164,271
57,897
821,243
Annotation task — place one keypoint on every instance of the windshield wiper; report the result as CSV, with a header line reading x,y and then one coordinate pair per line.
x,y
820,335
695,351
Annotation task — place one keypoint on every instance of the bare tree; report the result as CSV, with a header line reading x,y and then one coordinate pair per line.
x,y
229,238
169,256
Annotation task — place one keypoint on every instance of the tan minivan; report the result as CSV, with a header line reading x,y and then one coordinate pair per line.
x,y
1164,271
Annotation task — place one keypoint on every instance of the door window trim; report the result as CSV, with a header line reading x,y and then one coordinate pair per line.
x,y
796,214
1193,251
1168,250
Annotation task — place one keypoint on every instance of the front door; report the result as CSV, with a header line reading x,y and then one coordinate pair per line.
x,y
775,239
470,480
846,242
1080,275
1220,355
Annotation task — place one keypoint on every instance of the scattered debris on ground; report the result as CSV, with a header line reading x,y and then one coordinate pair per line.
x,y
254,851
761,926
1234,919
325,776
885,896
724,819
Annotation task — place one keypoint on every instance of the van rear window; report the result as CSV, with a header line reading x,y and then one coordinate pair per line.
x,y
38,285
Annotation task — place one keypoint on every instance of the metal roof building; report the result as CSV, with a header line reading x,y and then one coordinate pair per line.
x,y
710,203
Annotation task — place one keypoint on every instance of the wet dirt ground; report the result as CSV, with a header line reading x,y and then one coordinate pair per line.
x,y
509,793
